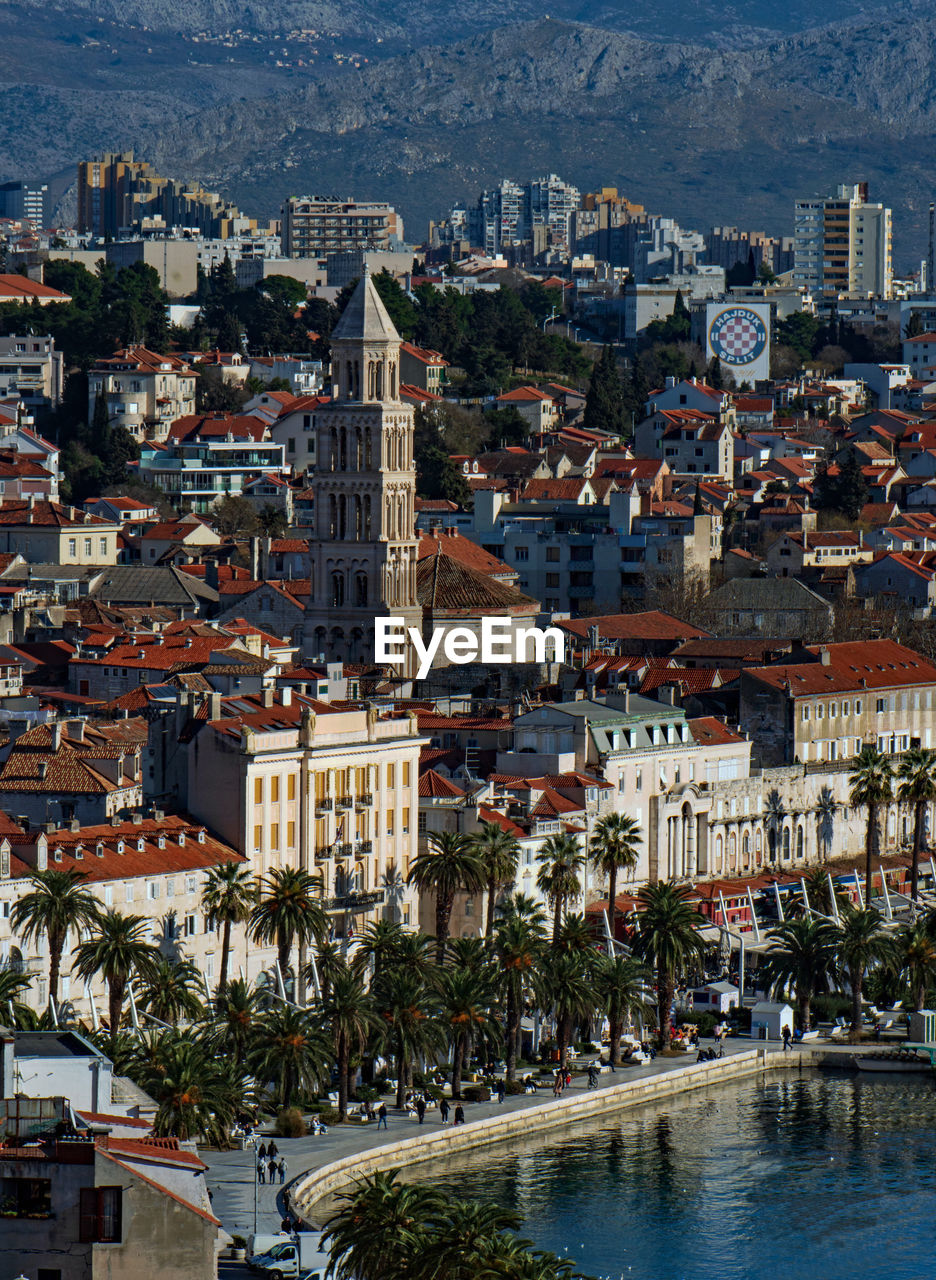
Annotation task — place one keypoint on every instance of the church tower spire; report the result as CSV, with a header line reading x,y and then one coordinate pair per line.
x,y
364,543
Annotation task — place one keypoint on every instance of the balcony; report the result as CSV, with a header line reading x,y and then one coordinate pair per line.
x,y
344,850
365,846
325,805
364,801
323,852
357,901
344,802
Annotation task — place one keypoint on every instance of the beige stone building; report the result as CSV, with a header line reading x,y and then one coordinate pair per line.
x,y
144,391
289,780
45,532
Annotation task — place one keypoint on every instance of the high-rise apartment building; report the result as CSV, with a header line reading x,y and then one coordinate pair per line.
x,y
314,226
25,200
842,245
119,195
542,210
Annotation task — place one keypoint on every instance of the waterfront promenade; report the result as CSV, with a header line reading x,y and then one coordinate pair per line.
x,y
232,1174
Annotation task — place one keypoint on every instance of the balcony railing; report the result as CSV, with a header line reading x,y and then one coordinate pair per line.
x,y
365,846
324,805
344,802
357,901
364,801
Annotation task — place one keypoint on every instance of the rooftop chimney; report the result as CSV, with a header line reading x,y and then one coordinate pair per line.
x,y
268,697
824,656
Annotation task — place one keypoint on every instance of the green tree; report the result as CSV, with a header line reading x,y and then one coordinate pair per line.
x,y
560,860
572,994
914,326
171,992
196,1093
412,1030
915,945
55,903
288,910
121,450
665,936
499,853
437,476
380,1228
616,847
801,958
12,987
465,1002
232,1031
228,895
351,1018
862,941
917,787
116,951
871,783
272,521
451,863
235,517
291,1053
518,947
604,403
620,985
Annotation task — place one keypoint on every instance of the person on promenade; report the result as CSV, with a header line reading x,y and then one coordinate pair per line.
x,y
786,1039
593,1075
501,1090
444,1110
282,1169
272,1150
382,1116
421,1109
262,1151
261,1173
271,1171
459,1114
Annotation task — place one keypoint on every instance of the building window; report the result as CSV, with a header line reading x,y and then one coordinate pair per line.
x,y
806,713
87,546
258,836
274,835
820,710
552,554
421,822
521,553
274,789
100,1215
291,787
152,890
258,791
128,895
881,705
27,1197
103,546
858,706
190,926
391,775
72,546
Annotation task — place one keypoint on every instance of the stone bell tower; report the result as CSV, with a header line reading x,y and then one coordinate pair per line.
x,y
364,546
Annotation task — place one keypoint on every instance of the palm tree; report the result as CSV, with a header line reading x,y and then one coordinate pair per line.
x,y
916,947
620,985
826,809
465,998
518,946
55,903
381,1227
561,859
862,941
12,987
411,1029
228,896
801,955
572,994
776,812
451,863
666,936
377,946
616,847
460,1246
171,992
236,1012
576,934
290,1051
288,909
349,1014
328,966
521,906
917,774
116,950
871,782
500,853
198,1094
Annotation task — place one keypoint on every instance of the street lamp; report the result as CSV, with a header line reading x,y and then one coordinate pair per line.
x,y
549,319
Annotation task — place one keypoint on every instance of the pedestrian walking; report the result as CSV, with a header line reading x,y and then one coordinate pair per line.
x,y
592,1076
444,1110
272,1151
382,1116
786,1039
282,1170
459,1114
568,1079
271,1169
262,1151
501,1090
421,1109
261,1173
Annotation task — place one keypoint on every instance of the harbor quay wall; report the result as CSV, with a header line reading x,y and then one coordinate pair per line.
x,y
311,1188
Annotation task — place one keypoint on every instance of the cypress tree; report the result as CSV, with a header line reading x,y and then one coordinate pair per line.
x,y
604,403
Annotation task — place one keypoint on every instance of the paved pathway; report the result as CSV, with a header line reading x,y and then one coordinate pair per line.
x,y
231,1174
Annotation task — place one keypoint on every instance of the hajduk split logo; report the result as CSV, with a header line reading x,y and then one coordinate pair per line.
x,y
737,336
499,642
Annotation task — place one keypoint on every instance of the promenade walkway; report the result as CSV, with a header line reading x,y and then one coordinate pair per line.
x,y
232,1174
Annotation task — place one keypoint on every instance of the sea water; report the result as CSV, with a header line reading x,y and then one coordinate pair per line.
x,y
813,1177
